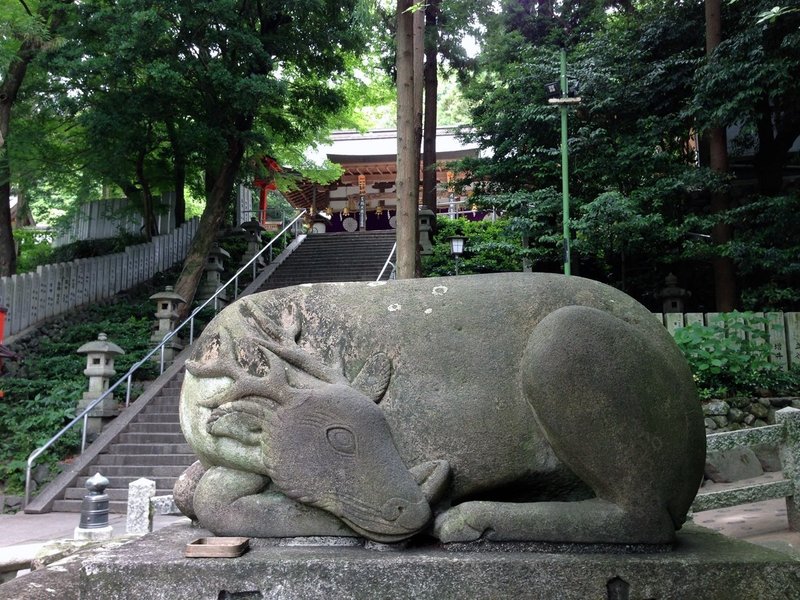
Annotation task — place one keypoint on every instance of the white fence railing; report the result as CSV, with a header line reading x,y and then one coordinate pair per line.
x,y
102,219
57,288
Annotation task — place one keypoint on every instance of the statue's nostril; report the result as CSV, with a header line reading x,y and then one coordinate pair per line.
x,y
392,510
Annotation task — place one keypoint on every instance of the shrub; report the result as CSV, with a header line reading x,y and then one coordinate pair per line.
x,y
731,356
28,422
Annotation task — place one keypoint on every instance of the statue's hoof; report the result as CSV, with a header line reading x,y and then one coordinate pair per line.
x,y
459,524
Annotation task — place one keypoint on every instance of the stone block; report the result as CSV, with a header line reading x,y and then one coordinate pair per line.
x,y
768,457
703,564
759,410
724,466
716,408
140,510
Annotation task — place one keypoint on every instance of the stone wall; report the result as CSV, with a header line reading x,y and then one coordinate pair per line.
x,y
733,414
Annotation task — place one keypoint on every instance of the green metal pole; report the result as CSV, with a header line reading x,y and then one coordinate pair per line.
x,y
565,165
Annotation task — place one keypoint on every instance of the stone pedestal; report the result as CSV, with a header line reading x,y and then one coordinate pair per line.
x,y
703,564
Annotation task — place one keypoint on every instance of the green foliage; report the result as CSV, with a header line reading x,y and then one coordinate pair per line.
x,y
638,198
731,356
35,250
490,248
42,395
28,420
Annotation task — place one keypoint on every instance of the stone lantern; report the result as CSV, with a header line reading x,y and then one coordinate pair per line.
x,y
99,369
254,245
427,219
215,265
166,315
673,297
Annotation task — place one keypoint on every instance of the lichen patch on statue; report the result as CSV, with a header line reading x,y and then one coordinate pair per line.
x,y
508,407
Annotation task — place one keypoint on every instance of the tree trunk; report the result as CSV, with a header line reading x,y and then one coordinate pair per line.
x,y
407,152
431,92
217,201
8,95
775,139
721,233
179,173
149,228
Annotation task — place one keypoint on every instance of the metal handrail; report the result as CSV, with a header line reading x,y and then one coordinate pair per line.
x,y
388,262
84,416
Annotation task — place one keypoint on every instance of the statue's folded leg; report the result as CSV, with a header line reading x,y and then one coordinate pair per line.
x,y
586,521
238,503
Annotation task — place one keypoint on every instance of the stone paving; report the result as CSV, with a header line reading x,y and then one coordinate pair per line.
x,y
762,523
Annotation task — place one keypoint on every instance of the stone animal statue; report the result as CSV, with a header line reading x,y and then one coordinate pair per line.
x,y
507,407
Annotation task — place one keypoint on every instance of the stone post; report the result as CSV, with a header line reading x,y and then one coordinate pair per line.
x,y
94,511
254,245
426,218
140,513
99,369
789,450
166,315
673,297
215,265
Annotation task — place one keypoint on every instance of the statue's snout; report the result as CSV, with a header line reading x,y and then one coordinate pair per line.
x,y
411,516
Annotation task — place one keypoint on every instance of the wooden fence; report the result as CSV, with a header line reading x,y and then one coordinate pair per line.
x,y
107,218
57,288
783,331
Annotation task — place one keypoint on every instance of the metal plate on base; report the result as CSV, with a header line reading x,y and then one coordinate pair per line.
x,y
217,547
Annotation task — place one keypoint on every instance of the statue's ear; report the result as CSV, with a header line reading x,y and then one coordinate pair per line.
x,y
373,379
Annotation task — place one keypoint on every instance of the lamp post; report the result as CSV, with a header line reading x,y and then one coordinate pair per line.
x,y
457,248
566,99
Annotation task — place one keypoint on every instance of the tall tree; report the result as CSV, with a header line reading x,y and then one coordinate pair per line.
x,y
216,80
407,143
724,276
25,34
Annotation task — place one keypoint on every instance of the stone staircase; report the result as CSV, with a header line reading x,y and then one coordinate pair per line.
x,y
147,441
328,257
151,445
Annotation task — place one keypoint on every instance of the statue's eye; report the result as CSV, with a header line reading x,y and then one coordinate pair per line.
x,y
341,439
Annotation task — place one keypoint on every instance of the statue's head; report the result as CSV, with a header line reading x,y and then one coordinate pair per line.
x,y
268,407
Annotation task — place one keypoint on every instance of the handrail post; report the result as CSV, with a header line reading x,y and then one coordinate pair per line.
x,y
789,450
85,429
128,390
191,330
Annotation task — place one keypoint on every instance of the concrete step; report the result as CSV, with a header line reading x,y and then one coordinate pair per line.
x,y
132,471
148,449
159,405
144,459
151,438
138,427
164,485
158,417
119,507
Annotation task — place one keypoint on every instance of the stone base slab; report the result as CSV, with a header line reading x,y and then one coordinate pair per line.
x,y
703,564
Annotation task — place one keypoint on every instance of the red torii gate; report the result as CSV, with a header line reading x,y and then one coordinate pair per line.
x,y
266,185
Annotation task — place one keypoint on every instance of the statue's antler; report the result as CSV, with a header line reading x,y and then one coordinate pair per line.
x,y
257,359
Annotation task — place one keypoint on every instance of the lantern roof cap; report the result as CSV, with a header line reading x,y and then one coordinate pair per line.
x,y
101,345
167,294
